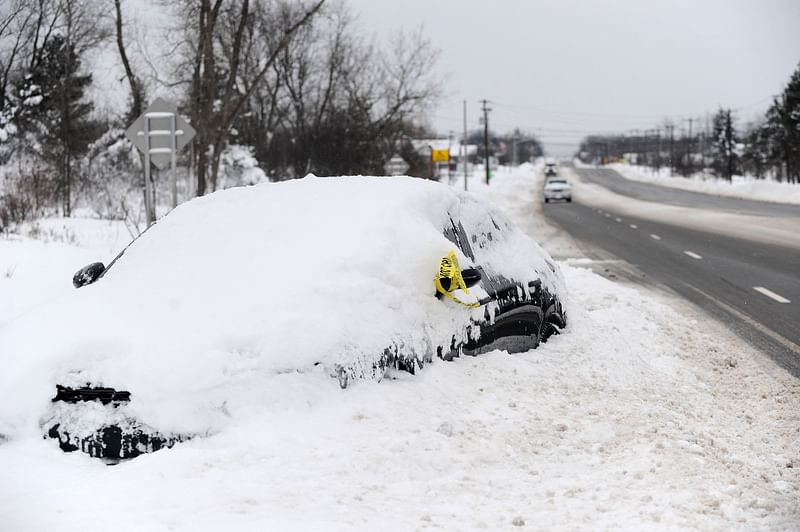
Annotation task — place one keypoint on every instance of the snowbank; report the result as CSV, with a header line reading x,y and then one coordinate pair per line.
x,y
643,415
640,417
519,191
740,187
37,264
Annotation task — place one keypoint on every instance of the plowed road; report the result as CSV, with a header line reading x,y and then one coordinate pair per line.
x,y
738,259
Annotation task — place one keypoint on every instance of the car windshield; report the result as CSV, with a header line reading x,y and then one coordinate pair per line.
x,y
557,182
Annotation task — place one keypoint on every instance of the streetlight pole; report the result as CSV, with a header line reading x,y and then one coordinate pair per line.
x,y
464,142
486,137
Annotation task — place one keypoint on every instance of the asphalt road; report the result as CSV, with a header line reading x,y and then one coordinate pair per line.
x,y
753,287
614,182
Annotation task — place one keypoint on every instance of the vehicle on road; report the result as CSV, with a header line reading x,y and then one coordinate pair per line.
x,y
352,278
550,168
557,188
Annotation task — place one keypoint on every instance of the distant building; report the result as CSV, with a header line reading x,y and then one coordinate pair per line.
x,y
425,146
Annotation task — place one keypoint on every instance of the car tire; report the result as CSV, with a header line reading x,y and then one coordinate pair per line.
x,y
569,200
547,200
552,322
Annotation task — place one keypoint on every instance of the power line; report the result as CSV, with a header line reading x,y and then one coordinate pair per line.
x,y
582,114
538,129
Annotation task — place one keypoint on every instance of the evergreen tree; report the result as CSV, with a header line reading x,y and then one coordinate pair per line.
x,y
790,122
724,144
775,138
756,155
54,114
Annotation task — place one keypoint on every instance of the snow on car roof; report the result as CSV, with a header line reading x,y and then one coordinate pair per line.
x,y
250,282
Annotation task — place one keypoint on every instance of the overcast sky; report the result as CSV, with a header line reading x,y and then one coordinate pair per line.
x,y
564,68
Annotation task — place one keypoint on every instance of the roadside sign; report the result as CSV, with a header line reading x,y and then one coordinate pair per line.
x,y
157,119
440,156
159,133
396,166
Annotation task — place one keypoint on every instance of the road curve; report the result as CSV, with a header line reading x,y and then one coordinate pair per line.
x,y
752,286
613,181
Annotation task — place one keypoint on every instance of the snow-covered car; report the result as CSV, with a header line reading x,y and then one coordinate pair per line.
x,y
557,188
350,278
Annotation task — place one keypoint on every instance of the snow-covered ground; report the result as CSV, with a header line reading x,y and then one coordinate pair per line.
x,y
740,187
643,415
37,262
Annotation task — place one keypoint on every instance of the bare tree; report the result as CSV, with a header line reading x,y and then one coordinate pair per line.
x,y
48,21
215,93
266,108
347,103
408,71
137,89
15,19
81,33
313,78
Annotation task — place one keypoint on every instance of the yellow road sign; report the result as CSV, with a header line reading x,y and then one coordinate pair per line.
x,y
440,156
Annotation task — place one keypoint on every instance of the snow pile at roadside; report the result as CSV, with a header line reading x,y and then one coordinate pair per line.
x,y
519,191
643,415
37,264
740,187
252,282
639,417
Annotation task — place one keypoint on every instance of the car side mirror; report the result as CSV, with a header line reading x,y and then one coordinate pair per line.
x,y
88,274
471,277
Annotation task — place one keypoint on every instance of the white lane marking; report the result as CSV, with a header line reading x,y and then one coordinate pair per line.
x,y
770,294
693,255
619,220
791,346
655,237
608,215
633,226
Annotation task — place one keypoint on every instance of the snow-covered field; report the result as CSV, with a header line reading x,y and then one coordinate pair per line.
x,y
37,263
643,415
739,187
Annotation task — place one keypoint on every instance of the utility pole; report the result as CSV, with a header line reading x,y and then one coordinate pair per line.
x,y
671,129
449,159
658,154
689,148
651,147
708,140
729,142
464,142
486,137
702,150
514,148
785,139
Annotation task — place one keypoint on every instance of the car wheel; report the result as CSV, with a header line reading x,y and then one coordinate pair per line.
x,y
569,200
547,200
552,323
